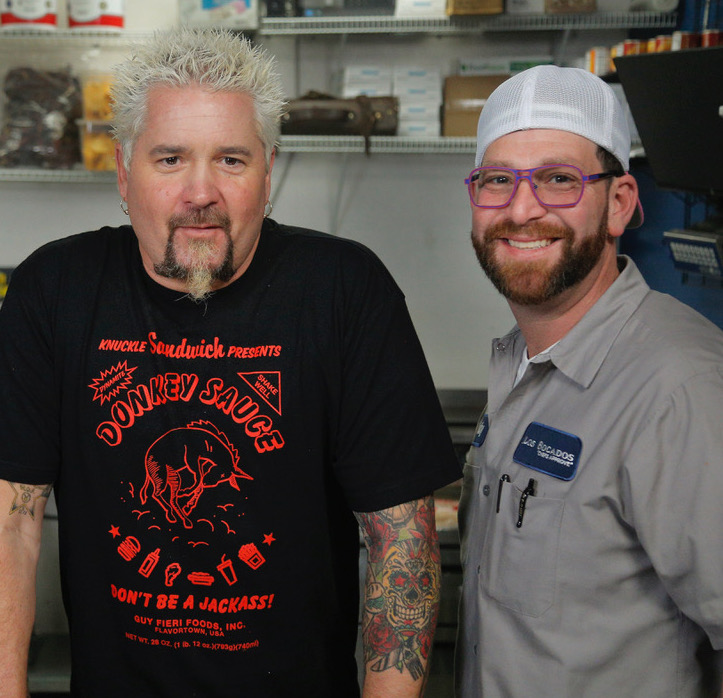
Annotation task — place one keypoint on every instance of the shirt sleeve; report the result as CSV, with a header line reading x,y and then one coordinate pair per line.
x,y
29,438
393,443
676,486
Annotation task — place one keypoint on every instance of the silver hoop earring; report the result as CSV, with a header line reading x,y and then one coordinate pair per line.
x,y
124,206
268,208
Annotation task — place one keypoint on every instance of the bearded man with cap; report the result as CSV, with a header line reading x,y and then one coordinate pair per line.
x,y
592,506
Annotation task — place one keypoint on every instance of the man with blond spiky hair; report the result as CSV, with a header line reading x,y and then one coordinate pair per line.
x,y
220,401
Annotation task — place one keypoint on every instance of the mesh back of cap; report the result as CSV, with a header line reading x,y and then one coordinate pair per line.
x,y
565,99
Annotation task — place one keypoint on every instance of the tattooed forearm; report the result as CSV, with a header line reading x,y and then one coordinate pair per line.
x,y
26,498
402,587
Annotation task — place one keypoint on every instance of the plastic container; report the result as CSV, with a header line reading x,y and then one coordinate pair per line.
x,y
96,97
29,14
97,145
98,15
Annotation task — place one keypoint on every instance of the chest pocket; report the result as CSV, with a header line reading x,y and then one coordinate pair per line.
x,y
519,564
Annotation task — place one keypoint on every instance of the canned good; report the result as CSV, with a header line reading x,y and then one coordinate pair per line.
x,y
35,14
632,47
597,60
663,42
96,14
683,40
710,37
614,53
652,43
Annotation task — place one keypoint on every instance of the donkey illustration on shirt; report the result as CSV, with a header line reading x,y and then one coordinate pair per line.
x,y
183,462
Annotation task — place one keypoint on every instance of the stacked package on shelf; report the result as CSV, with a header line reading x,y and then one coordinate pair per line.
x,y
97,143
420,8
419,90
370,80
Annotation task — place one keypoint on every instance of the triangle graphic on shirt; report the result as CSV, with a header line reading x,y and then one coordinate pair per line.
x,y
267,385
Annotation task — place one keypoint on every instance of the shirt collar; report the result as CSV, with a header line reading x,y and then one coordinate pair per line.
x,y
581,352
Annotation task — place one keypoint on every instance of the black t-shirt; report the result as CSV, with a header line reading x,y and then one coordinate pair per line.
x,y
207,458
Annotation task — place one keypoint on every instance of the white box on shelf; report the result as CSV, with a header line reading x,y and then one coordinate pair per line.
x,y
416,73
371,89
229,14
362,73
420,8
410,128
421,92
524,7
497,65
423,110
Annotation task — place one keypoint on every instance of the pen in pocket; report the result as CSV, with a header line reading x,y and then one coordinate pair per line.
x,y
529,491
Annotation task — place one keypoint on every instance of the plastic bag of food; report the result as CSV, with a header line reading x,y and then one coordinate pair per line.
x,y
39,128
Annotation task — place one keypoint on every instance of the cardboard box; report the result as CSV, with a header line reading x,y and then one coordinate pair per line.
x,y
564,7
464,98
475,7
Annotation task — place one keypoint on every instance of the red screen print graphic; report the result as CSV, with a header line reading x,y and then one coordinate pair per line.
x,y
267,385
112,382
183,463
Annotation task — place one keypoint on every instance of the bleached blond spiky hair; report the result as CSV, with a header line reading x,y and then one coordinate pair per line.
x,y
220,61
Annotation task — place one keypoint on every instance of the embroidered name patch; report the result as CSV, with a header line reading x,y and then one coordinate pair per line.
x,y
481,433
549,451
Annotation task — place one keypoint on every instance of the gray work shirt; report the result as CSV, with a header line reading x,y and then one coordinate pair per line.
x,y
612,584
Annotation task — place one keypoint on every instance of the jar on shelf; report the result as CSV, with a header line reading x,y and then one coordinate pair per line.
x,y
29,14
99,15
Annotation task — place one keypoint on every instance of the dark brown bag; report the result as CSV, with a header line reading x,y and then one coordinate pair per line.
x,y
319,114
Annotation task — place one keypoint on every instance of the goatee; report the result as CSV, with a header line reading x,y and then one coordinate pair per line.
x,y
198,273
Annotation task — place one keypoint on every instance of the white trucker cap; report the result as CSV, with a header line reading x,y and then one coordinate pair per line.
x,y
564,99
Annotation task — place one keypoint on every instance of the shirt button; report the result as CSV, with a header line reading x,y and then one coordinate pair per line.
x,y
486,490
500,346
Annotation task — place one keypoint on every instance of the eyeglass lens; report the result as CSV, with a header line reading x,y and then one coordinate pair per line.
x,y
556,185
